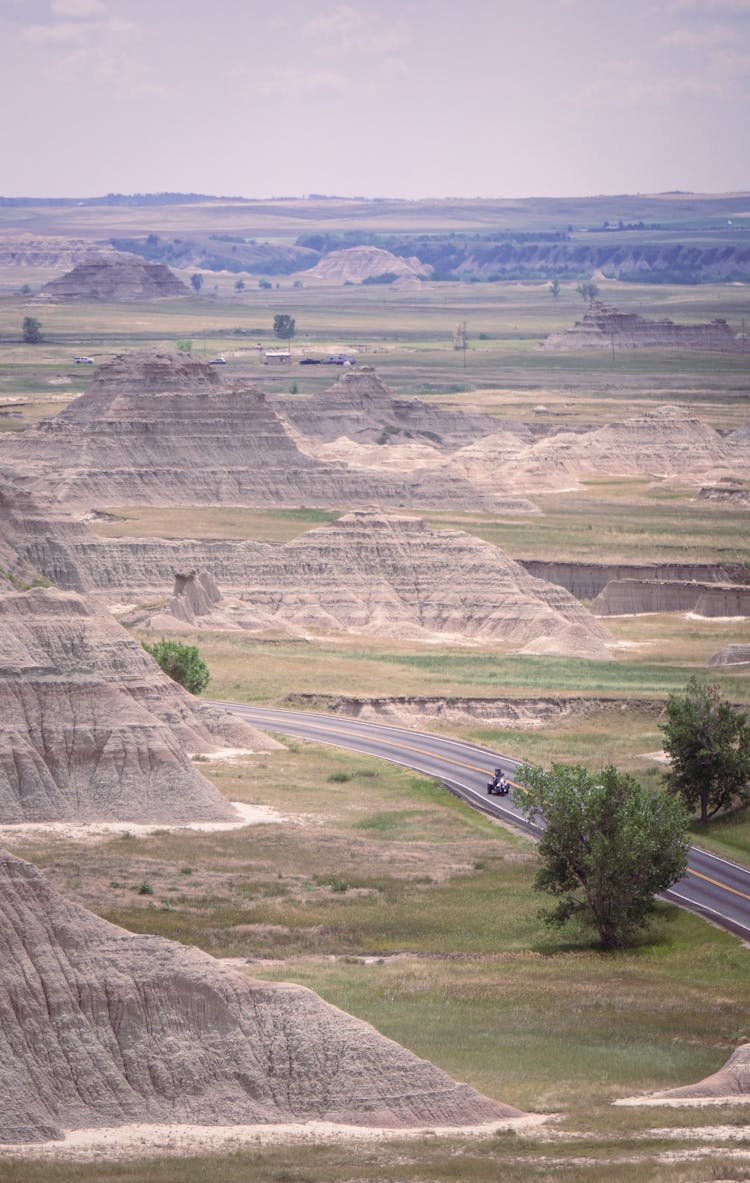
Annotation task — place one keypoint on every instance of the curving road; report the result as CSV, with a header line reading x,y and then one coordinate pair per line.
x,y
713,887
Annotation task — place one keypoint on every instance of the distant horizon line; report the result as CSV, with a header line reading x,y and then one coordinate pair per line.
x,y
188,196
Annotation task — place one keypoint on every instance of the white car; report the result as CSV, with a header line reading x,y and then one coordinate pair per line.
x,y
84,361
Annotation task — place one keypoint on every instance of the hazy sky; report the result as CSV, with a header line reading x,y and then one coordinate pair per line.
x,y
402,98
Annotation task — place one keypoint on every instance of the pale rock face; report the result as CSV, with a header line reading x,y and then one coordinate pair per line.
x,y
623,597
668,442
90,727
388,575
360,409
99,1027
353,264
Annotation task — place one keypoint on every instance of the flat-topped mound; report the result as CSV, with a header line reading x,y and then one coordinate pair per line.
x,y
117,277
99,1027
606,327
90,727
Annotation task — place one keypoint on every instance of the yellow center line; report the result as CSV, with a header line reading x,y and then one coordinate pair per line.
x,y
717,883
403,747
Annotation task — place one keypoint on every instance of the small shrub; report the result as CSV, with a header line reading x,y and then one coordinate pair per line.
x,y
182,663
339,778
145,888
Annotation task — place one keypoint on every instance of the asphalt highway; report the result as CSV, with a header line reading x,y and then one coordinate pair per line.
x,y
714,888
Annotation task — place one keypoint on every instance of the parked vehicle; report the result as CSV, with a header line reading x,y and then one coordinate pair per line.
x,y
217,361
83,361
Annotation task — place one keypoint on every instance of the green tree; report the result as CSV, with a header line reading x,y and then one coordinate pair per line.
x,y
609,845
239,285
708,744
184,345
181,662
588,292
283,326
197,281
31,330
554,287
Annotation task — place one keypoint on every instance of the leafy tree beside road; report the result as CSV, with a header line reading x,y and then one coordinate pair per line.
x,y
196,280
182,663
708,744
609,846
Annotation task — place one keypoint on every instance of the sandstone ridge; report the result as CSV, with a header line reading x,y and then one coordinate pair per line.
x,y
394,575
99,1027
91,728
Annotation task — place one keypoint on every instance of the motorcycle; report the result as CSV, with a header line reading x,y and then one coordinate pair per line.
x,y
498,785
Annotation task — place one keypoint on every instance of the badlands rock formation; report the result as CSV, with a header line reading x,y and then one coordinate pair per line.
x,y
91,729
160,428
731,1081
353,264
624,597
586,580
605,327
38,542
668,442
116,277
396,576
360,409
99,1027
35,250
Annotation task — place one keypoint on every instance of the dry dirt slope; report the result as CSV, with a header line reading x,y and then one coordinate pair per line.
x,y
99,1027
91,729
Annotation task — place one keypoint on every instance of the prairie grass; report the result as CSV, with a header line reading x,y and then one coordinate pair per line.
x,y
436,1160
661,654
